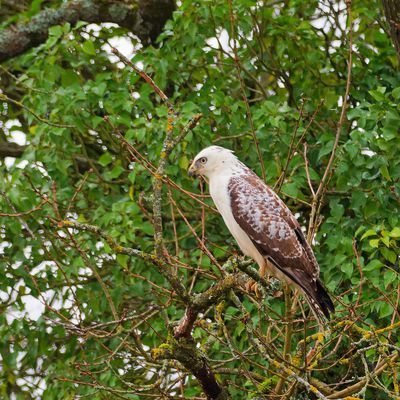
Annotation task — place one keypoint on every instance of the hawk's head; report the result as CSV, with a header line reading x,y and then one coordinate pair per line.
x,y
211,159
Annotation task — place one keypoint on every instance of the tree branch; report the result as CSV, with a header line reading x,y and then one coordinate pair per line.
x,y
150,258
144,18
186,352
168,145
204,300
392,14
10,149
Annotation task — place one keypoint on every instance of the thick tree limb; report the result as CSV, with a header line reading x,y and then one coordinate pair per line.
x,y
392,14
144,18
204,300
181,347
211,296
187,353
9,149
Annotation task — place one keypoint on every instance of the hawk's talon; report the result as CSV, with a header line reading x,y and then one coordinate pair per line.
x,y
252,286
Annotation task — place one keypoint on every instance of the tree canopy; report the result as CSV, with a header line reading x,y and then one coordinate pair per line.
x,y
118,277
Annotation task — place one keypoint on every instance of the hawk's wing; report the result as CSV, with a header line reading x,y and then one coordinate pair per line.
x,y
277,235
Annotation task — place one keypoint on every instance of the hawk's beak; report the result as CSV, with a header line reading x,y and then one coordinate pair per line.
x,y
192,170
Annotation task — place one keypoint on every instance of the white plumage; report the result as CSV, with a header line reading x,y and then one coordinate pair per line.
x,y
219,181
262,225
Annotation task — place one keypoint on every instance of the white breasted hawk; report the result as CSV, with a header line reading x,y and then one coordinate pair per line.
x,y
263,226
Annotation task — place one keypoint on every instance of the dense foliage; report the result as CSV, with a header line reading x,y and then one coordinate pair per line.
x,y
84,315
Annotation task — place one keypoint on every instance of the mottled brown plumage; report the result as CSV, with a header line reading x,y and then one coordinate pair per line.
x,y
277,235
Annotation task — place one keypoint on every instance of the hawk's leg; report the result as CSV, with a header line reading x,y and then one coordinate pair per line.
x,y
253,286
263,270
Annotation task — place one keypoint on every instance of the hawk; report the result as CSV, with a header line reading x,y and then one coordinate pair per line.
x,y
263,226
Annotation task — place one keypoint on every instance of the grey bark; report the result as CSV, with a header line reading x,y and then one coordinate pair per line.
x,y
144,18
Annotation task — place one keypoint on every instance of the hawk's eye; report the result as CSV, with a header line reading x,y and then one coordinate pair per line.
x,y
203,160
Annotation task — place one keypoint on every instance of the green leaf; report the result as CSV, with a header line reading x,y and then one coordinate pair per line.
x,y
395,232
385,240
35,7
69,78
56,31
347,268
374,242
122,260
385,172
100,89
385,309
184,163
96,121
147,228
291,189
378,94
105,159
326,149
389,277
337,209
368,233
396,93
390,255
88,47
132,176
373,265
115,172
390,132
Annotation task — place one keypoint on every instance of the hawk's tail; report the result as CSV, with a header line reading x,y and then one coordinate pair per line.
x,y
319,301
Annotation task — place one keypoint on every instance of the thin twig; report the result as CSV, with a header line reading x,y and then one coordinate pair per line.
x,y
143,74
38,117
242,87
22,213
308,169
319,195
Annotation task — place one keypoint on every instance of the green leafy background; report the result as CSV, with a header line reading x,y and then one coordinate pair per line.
x,y
287,63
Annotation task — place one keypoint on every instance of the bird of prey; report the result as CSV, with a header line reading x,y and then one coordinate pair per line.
x,y
263,226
